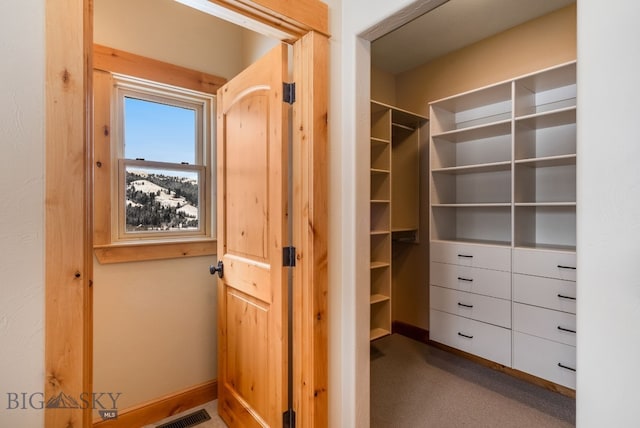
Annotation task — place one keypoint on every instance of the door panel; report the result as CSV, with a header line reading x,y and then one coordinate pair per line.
x,y
252,216
246,175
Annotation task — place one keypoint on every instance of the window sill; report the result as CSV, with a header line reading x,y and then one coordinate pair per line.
x,y
153,250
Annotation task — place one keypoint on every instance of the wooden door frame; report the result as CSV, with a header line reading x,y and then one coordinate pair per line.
x,y
69,213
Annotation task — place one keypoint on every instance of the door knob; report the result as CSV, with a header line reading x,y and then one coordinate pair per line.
x,y
219,268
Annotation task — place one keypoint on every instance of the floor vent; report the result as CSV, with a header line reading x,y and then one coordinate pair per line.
x,y
189,420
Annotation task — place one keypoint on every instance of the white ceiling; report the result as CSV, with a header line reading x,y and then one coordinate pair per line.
x,y
455,24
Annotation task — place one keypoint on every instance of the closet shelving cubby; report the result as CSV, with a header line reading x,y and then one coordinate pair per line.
x,y
471,167
394,200
545,160
503,202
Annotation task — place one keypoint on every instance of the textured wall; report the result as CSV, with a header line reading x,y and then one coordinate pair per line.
x,y
608,199
21,207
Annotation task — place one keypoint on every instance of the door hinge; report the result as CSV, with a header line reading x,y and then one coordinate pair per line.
x,y
288,256
289,419
289,92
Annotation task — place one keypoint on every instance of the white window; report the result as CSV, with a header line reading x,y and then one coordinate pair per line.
x,y
163,156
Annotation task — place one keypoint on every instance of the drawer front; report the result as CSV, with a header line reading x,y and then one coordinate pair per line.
x,y
546,292
544,358
469,305
481,256
550,264
477,338
494,283
545,323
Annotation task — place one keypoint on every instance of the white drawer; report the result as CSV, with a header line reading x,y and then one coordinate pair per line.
x,y
545,359
477,338
469,305
550,264
545,323
494,283
546,292
474,255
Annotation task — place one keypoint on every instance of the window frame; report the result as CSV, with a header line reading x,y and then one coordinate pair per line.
x,y
204,150
109,63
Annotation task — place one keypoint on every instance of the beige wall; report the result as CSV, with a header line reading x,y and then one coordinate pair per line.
x,y
154,327
254,46
383,86
532,46
155,321
170,32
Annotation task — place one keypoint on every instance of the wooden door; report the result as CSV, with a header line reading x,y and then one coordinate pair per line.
x,y
252,181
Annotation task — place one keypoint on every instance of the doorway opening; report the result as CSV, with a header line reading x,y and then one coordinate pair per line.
x,y
69,318
454,33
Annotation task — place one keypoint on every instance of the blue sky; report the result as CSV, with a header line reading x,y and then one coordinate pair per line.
x,y
158,132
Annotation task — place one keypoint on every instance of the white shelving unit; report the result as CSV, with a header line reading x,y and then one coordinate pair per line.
x,y
503,176
395,169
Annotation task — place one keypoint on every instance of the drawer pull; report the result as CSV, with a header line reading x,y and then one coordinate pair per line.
x,y
465,306
562,296
465,279
566,267
468,337
466,256
563,366
566,329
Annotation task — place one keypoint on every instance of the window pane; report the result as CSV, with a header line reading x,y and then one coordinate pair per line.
x,y
161,200
159,132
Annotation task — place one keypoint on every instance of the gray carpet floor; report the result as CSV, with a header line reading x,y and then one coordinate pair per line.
x,y
417,385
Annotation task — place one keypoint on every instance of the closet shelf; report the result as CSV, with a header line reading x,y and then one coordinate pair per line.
x,y
379,171
548,161
377,333
545,204
474,241
376,140
377,298
476,168
474,205
380,232
477,132
379,265
545,247
548,119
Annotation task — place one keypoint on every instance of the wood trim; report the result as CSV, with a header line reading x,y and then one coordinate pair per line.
x,y
102,87
68,265
163,407
117,61
295,18
112,60
119,253
411,331
310,171
422,335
